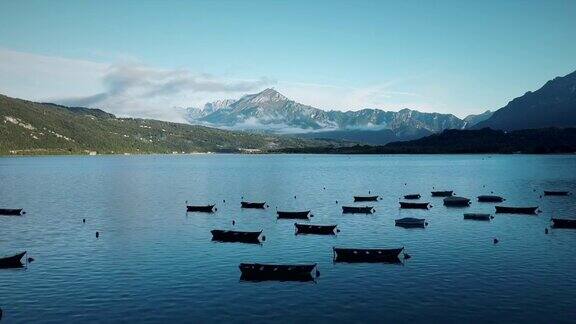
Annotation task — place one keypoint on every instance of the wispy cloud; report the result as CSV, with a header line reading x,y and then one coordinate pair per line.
x,y
330,97
42,77
394,94
134,89
125,89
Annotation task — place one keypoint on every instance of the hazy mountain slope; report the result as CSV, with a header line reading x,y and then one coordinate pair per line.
x,y
472,120
372,137
553,105
532,141
34,128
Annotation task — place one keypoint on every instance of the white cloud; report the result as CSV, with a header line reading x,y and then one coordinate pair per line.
x,y
330,97
136,90
40,78
420,92
125,89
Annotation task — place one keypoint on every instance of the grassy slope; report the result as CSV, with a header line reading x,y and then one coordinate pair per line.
x,y
34,128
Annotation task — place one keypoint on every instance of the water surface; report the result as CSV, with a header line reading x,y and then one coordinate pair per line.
x,y
153,262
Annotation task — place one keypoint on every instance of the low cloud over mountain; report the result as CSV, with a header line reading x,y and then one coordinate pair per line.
x,y
271,111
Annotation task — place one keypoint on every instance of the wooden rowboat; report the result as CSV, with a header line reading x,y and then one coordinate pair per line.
x,y
456,202
563,223
280,272
253,205
235,236
357,210
445,193
517,210
556,193
365,198
479,217
412,205
200,209
293,215
409,222
315,229
490,198
10,212
12,261
367,255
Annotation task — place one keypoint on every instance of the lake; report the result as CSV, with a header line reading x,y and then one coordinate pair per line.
x,y
153,262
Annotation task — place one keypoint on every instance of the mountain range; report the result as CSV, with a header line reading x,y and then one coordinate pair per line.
x,y
270,111
42,128
552,140
553,105
540,121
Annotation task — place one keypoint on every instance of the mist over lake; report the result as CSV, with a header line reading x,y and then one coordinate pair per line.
x,y
154,262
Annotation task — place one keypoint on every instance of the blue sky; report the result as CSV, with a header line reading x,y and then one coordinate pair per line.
x,y
455,57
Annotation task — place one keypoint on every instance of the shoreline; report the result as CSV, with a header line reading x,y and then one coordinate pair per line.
x,y
277,153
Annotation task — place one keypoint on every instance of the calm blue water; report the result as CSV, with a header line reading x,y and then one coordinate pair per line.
x,y
154,263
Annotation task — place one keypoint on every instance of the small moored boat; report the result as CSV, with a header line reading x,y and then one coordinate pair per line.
x,y
490,198
413,205
315,229
412,196
200,209
357,210
253,205
456,202
479,217
516,210
365,198
445,193
281,272
10,212
563,223
293,215
410,222
12,261
556,193
236,236
367,255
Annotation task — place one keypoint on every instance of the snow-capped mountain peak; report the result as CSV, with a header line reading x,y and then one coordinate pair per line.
x,y
211,107
267,95
271,111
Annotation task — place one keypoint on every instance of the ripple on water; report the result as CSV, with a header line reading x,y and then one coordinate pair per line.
x,y
155,263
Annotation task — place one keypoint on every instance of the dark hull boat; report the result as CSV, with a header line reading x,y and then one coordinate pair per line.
x,y
279,272
293,215
235,236
478,217
12,261
10,212
253,205
410,222
411,205
490,198
556,193
563,223
367,255
200,209
315,229
446,193
357,210
412,196
456,202
365,198
516,210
